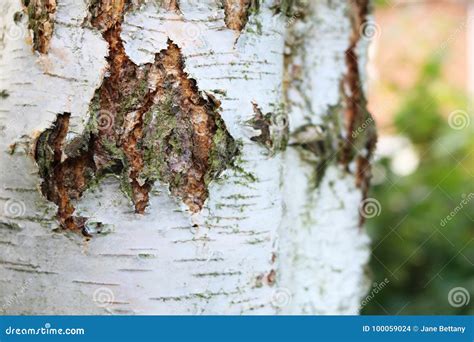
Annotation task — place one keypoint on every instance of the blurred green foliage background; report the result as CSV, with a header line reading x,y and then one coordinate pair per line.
x,y
423,259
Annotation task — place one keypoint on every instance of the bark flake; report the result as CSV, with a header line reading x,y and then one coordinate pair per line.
x,y
273,127
169,5
237,12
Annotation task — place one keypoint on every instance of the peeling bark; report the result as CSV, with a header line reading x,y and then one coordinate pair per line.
x,y
237,12
147,123
358,146
273,127
186,143
64,177
356,112
41,15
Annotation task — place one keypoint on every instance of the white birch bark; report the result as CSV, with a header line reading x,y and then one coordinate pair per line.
x,y
266,241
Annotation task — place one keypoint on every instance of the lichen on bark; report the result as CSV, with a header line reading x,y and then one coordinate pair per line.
x,y
147,123
320,145
185,141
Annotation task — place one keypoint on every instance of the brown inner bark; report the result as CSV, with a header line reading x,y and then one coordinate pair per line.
x,y
356,111
115,143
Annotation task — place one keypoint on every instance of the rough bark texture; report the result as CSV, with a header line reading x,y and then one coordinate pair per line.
x,y
147,123
226,124
237,13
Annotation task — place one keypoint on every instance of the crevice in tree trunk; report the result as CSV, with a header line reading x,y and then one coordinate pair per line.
x,y
147,123
64,178
359,144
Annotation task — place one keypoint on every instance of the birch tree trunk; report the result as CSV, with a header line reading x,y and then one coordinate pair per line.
x,y
191,157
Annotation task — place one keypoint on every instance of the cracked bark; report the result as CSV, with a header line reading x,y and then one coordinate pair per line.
x,y
356,113
159,99
128,94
